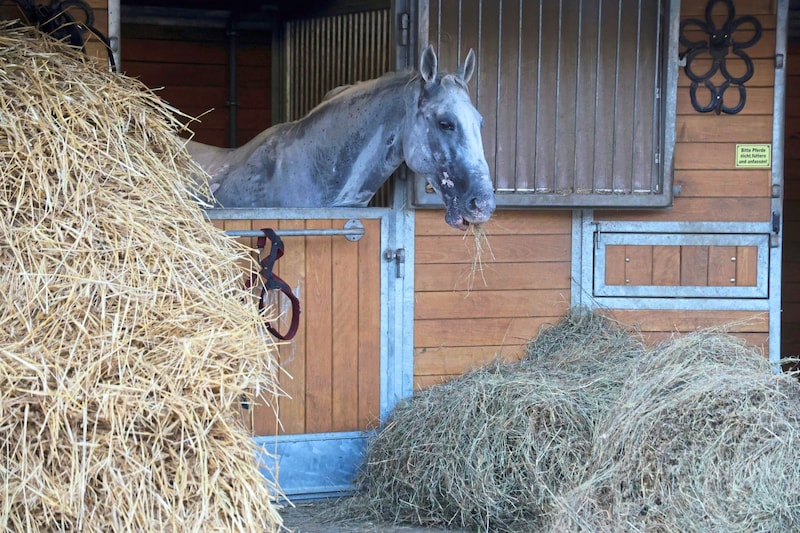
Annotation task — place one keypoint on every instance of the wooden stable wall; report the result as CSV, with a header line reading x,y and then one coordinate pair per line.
x,y
528,283
463,320
189,68
94,47
712,189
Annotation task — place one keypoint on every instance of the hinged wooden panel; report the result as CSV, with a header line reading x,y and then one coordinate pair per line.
x,y
332,367
681,265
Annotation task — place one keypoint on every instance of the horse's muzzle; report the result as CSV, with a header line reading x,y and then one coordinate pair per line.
x,y
477,209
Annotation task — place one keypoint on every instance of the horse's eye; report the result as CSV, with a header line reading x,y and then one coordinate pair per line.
x,y
447,125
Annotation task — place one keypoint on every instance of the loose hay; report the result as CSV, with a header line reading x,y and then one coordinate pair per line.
x,y
704,438
591,431
126,338
481,246
491,449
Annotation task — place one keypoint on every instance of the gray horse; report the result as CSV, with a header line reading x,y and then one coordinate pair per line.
x,y
348,146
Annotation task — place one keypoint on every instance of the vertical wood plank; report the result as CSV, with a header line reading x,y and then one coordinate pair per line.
x,y
292,410
345,335
746,266
369,325
486,96
639,265
547,98
694,266
263,415
606,61
319,354
566,101
615,265
644,140
721,270
505,158
528,106
585,108
667,265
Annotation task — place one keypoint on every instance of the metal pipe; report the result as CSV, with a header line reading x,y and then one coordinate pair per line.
x,y
233,104
114,33
296,232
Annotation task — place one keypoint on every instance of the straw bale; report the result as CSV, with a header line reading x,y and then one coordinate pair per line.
x,y
126,337
704,438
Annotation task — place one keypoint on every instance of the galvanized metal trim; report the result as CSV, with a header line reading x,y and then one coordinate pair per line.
x,y
354,232
293,213
316,465
587,232
613,226
760,242
778,125
756,305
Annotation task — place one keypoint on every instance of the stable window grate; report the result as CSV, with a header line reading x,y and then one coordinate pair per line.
x,y
578,97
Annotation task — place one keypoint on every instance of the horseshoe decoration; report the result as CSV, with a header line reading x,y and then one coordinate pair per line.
x,y
720,47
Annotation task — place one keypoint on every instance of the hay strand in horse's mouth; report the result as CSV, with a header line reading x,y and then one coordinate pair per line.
x,y
481,246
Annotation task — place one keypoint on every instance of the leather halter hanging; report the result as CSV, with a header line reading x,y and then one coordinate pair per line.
x,y
271,281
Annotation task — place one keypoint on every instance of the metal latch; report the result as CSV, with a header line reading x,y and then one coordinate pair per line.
x,y
399,257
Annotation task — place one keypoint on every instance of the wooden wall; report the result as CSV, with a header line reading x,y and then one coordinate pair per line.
x,y
712,189
189,69
528,283
94,47
462,320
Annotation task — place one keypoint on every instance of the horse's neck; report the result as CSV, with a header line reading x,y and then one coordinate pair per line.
x,y
371,116
210,158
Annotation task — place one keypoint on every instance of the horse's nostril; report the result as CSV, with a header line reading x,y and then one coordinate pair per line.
x,y
473,204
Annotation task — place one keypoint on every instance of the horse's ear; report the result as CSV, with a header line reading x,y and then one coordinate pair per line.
x,y
428,64
468,68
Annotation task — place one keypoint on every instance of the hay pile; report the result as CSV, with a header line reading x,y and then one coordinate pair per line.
x,y
705,438
126,338
485,451
592,431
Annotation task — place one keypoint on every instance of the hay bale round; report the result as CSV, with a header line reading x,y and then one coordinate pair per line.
x,y
127,338
704,438
490,450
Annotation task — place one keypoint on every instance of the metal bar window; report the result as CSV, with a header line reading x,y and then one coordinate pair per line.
x,y
573,96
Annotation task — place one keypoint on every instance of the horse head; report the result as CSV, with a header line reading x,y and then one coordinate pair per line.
x,y
442,141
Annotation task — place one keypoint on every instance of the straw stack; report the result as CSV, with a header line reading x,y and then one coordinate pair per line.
x,y
126,337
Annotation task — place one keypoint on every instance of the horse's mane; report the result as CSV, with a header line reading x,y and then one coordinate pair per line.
x,y
386,79
410,76
336,90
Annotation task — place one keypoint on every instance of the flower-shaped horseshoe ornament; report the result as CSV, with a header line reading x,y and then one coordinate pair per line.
x,y
718,47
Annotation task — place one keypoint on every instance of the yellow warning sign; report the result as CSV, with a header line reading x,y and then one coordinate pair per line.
x,y
754,155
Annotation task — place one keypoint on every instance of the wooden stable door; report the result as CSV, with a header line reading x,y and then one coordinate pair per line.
x,y
331,369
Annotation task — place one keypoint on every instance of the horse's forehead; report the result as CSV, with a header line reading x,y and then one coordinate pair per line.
x,y
450,97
